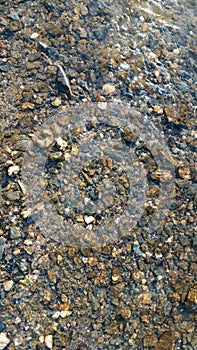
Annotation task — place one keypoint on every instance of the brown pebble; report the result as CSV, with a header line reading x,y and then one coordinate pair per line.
x,y
28,105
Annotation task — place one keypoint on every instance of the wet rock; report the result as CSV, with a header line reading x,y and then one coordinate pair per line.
x,y
131,53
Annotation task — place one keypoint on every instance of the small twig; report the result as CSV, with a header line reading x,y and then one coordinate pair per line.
x,y
62,78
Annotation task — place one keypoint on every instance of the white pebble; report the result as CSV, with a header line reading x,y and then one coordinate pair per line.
x,y
14,169
65,313
8,285
34,35
4,341
88,219
49,341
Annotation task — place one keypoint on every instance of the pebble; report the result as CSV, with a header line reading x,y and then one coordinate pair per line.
x,y
2,245
150,340
27,105
49,341
8,285
124,313
184,172
166,340
57,102
102,105
15,232
145,298
116,278
88,219
32,65
108,89
34,35
13,169
137,250
65,313
14,26
158,109
192,295
4,340
62,144
84,10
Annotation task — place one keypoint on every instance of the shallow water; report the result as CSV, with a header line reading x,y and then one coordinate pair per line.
x,y
139,290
